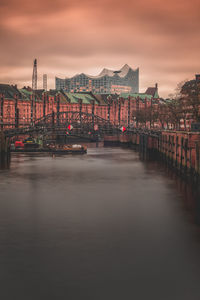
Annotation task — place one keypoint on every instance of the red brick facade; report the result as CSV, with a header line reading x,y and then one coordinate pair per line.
x,y
121,109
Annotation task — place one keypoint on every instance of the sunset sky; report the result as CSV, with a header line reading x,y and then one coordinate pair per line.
x,y
67,37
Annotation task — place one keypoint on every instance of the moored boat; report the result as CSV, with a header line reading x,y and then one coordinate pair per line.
x,y
68,149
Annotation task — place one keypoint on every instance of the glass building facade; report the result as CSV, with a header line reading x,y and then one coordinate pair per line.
x,y
124,80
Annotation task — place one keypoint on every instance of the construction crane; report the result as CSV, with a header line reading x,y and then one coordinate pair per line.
x,y
34,77
34,88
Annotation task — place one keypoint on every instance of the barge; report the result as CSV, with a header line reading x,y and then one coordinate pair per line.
x,y
53,148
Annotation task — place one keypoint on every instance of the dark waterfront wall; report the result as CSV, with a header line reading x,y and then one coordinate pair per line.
x,y
180,150
4,149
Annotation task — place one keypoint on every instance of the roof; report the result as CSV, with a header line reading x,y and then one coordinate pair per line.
x,y
153,91
39,93
27,92
54,92
106,72
85,97
9,91
166,101
191,84
142,96
103,98
122,72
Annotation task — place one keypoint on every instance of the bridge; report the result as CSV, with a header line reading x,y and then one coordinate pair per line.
x,y
67,126
177,148
71,123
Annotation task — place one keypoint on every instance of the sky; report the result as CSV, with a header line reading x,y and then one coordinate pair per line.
x,y
67,37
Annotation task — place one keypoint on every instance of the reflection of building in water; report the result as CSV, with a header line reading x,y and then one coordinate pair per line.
x,y
125,80
188,190
4,161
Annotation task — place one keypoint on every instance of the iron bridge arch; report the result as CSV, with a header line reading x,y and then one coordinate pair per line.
x,y
83,124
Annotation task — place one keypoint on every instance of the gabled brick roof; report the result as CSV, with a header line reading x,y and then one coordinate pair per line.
x,y
85,97
191,84
151,91
141,96
103,98
27,92
9,91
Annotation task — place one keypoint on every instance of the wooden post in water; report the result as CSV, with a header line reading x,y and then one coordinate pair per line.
x,y
4,146
197,165
181,158
167,148
186,153
170,149
176,146
190,160
162,146
173,146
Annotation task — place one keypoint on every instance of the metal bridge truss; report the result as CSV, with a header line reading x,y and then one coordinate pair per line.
x,y
86,125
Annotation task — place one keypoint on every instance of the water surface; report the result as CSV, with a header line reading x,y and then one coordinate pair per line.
x,y
99,226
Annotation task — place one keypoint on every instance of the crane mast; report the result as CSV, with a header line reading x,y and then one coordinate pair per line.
x,y
34,77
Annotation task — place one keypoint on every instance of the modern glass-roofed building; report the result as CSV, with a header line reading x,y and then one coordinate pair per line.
x,y
125,80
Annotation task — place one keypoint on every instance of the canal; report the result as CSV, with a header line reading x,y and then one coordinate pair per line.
x,y
100,226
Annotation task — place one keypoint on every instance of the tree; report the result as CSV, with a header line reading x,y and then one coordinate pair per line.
x,y
138,116
177,91
175,109
191,101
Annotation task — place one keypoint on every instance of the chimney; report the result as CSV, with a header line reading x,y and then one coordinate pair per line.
x,y
197,77
156,86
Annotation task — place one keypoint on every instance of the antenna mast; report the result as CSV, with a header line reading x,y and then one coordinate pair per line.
x,y
45,82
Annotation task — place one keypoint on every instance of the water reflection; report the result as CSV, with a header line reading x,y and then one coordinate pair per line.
x,y
4,161
188,189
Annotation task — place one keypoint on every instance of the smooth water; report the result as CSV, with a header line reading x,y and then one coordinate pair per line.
x,y
99,226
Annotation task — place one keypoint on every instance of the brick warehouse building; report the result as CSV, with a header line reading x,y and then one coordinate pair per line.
x,y
25,106
125,80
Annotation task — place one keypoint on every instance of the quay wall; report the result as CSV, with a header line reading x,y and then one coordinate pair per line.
x,y
179,149
4,150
